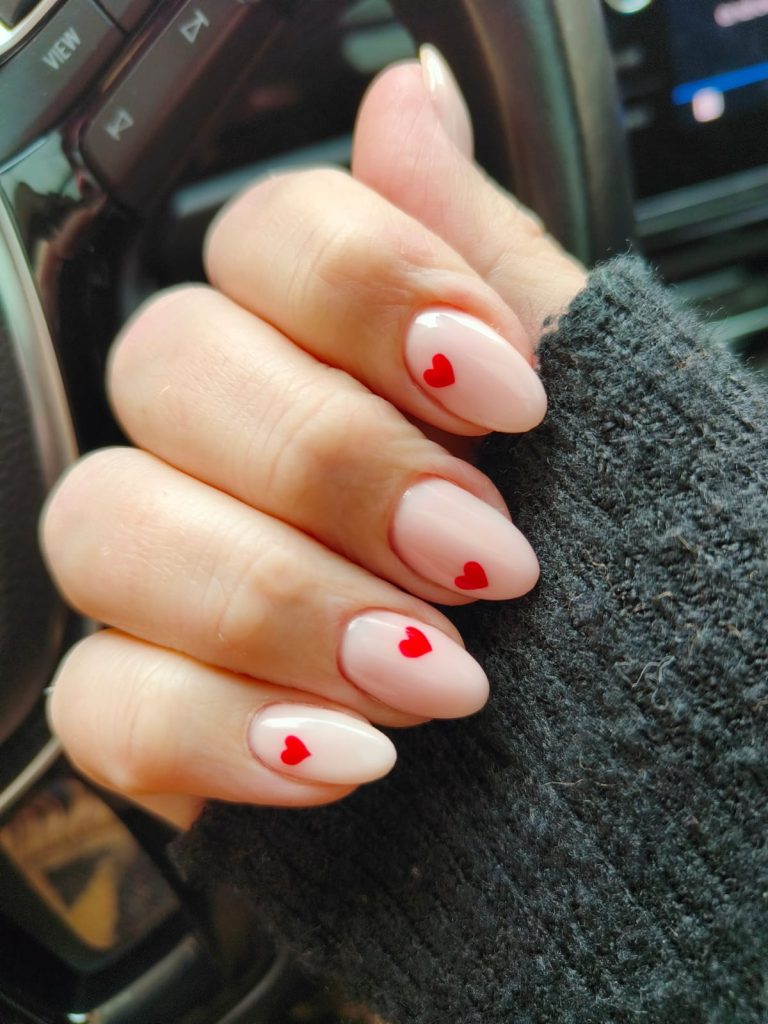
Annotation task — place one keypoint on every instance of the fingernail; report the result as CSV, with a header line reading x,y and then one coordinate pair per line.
x,y
316,743
473,372
411,666
447,99
450,537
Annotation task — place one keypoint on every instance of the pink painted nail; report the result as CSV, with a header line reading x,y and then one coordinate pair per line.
x,y
311,742
473,372
450,537
450,106
411,666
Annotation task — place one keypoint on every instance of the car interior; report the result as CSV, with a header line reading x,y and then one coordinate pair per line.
x,y
125,126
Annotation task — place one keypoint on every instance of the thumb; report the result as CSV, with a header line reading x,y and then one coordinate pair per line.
x,y
412,142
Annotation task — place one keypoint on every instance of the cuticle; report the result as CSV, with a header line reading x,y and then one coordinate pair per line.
x,y
424,478
339,668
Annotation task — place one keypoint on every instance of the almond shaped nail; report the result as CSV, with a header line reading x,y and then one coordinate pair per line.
x,y
473,372
319,744
411,666
452,538
447,99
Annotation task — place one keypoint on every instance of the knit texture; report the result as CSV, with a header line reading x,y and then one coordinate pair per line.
x,y
592,846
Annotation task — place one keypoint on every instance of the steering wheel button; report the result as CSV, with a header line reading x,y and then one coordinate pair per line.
x,y
48,75
119,124
192,26
154,115
127,13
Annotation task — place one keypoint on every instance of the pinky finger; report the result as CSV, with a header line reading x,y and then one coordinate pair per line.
x,y
142,720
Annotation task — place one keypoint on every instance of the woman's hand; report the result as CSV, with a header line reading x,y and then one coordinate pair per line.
x,y
265,555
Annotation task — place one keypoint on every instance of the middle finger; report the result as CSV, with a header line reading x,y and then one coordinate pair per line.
x,y
225,397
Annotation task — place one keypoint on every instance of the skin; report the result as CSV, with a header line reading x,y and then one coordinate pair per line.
x,y
276,429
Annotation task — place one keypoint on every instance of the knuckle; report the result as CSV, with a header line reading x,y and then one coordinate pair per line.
x,y
277,199
244,612
64,703
527,241
93,524
319,430
348,433
81,488
390,275
111,713
171,301
295,187
288,190
338,435
165,317
179,304
327,220
350,450
143,730
177,354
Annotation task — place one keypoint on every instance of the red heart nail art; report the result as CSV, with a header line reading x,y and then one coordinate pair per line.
x,y
441,374
295,752
416,645
474,577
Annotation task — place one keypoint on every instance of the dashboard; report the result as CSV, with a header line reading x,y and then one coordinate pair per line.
x,y
693,78
106,192
693,74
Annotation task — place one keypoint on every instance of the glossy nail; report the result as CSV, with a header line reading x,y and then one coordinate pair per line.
x,y
411,666
316,743
447,99
450,537
473,372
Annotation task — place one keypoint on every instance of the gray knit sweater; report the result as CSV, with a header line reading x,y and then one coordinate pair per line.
x,y
592,847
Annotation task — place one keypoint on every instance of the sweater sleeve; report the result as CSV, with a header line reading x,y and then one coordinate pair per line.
x,y
592,846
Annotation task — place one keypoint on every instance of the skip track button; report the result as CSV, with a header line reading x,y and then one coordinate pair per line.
x,y
191,27
151,120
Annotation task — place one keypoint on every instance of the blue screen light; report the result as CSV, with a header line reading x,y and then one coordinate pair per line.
x,y
724,82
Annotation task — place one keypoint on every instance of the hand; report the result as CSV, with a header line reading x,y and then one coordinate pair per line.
x,y
266,554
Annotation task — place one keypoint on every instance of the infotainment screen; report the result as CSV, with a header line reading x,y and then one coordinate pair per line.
x,y
719,57
694,81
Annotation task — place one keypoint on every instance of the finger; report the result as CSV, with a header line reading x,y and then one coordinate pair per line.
x,y
164,557
364,287
403,151
225,397
142,720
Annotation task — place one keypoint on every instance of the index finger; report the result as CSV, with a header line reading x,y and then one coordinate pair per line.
x,y
365,287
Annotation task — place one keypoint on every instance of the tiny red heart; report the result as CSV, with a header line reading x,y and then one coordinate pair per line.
x,y
474,577
295,752
416,645
440,374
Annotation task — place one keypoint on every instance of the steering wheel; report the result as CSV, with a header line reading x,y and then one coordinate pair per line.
x,y
79,170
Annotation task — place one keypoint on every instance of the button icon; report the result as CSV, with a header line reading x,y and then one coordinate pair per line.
x,y
67,43
191,29
120,121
